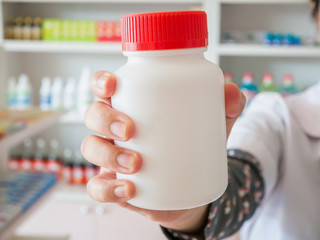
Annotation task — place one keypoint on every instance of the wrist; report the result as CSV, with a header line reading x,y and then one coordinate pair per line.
x,y
194,220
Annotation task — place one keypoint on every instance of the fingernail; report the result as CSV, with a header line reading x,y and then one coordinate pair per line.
x,y
126,160
101,82
118,129
121,192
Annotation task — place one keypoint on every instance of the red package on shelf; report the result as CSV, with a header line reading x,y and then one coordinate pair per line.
x,y
14,164
108,31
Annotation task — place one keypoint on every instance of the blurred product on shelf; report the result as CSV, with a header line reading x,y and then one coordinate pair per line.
x,y
288,88
23,28
9,28
26,29
267,38
15,159
26,157
11,93
54,164
45,94
36,29
48,29
57,94
72,96
108,31
19,94
248,87
17,29
84,94
268,84
68,30
90,170
228,77
78,171
68,167
69,95
288,39
39,161
23,93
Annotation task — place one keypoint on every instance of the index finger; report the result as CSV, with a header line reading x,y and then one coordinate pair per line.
x,y
103,84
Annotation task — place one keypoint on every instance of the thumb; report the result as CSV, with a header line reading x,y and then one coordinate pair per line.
x,y
235,102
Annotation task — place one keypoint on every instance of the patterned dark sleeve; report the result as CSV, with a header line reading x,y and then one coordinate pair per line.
x,y
243,195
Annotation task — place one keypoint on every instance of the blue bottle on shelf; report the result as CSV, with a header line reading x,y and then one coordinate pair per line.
x,y
277,39
248,87
268,38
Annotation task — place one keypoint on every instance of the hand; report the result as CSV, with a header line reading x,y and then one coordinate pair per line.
x,y
113,125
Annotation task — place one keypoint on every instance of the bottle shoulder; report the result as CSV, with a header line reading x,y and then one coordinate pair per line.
x,y
164,70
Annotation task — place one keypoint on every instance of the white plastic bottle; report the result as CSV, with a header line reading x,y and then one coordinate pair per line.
x,y
84,94
11,93
56,94
24,93
176,99
45,94
69,95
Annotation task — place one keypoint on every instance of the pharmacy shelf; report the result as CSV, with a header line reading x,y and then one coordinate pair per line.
x,y
252,50
106,1
264,1
71,118
30,130
61,47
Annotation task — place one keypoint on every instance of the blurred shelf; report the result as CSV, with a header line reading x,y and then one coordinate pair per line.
x,y
264,1
36,126
251,50
105,1
71,118
61,47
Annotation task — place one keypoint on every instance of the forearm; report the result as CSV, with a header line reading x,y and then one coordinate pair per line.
x,y
237,204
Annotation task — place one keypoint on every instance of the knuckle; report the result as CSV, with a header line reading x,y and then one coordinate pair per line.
x,y
84,144
108,156
88,114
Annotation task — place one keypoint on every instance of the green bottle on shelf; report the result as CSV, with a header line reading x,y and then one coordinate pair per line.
x,y
268,84
228,77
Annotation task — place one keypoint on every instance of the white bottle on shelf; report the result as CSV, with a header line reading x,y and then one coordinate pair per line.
x,y
24,93
45,94
11,93
69,95
56,94
84,95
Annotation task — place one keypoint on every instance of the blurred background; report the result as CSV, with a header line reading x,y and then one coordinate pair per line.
x,y
48,51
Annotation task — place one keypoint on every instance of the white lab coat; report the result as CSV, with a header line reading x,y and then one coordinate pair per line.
x,y
284,135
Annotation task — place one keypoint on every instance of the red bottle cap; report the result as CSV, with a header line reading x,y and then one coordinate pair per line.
x,y
164,30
